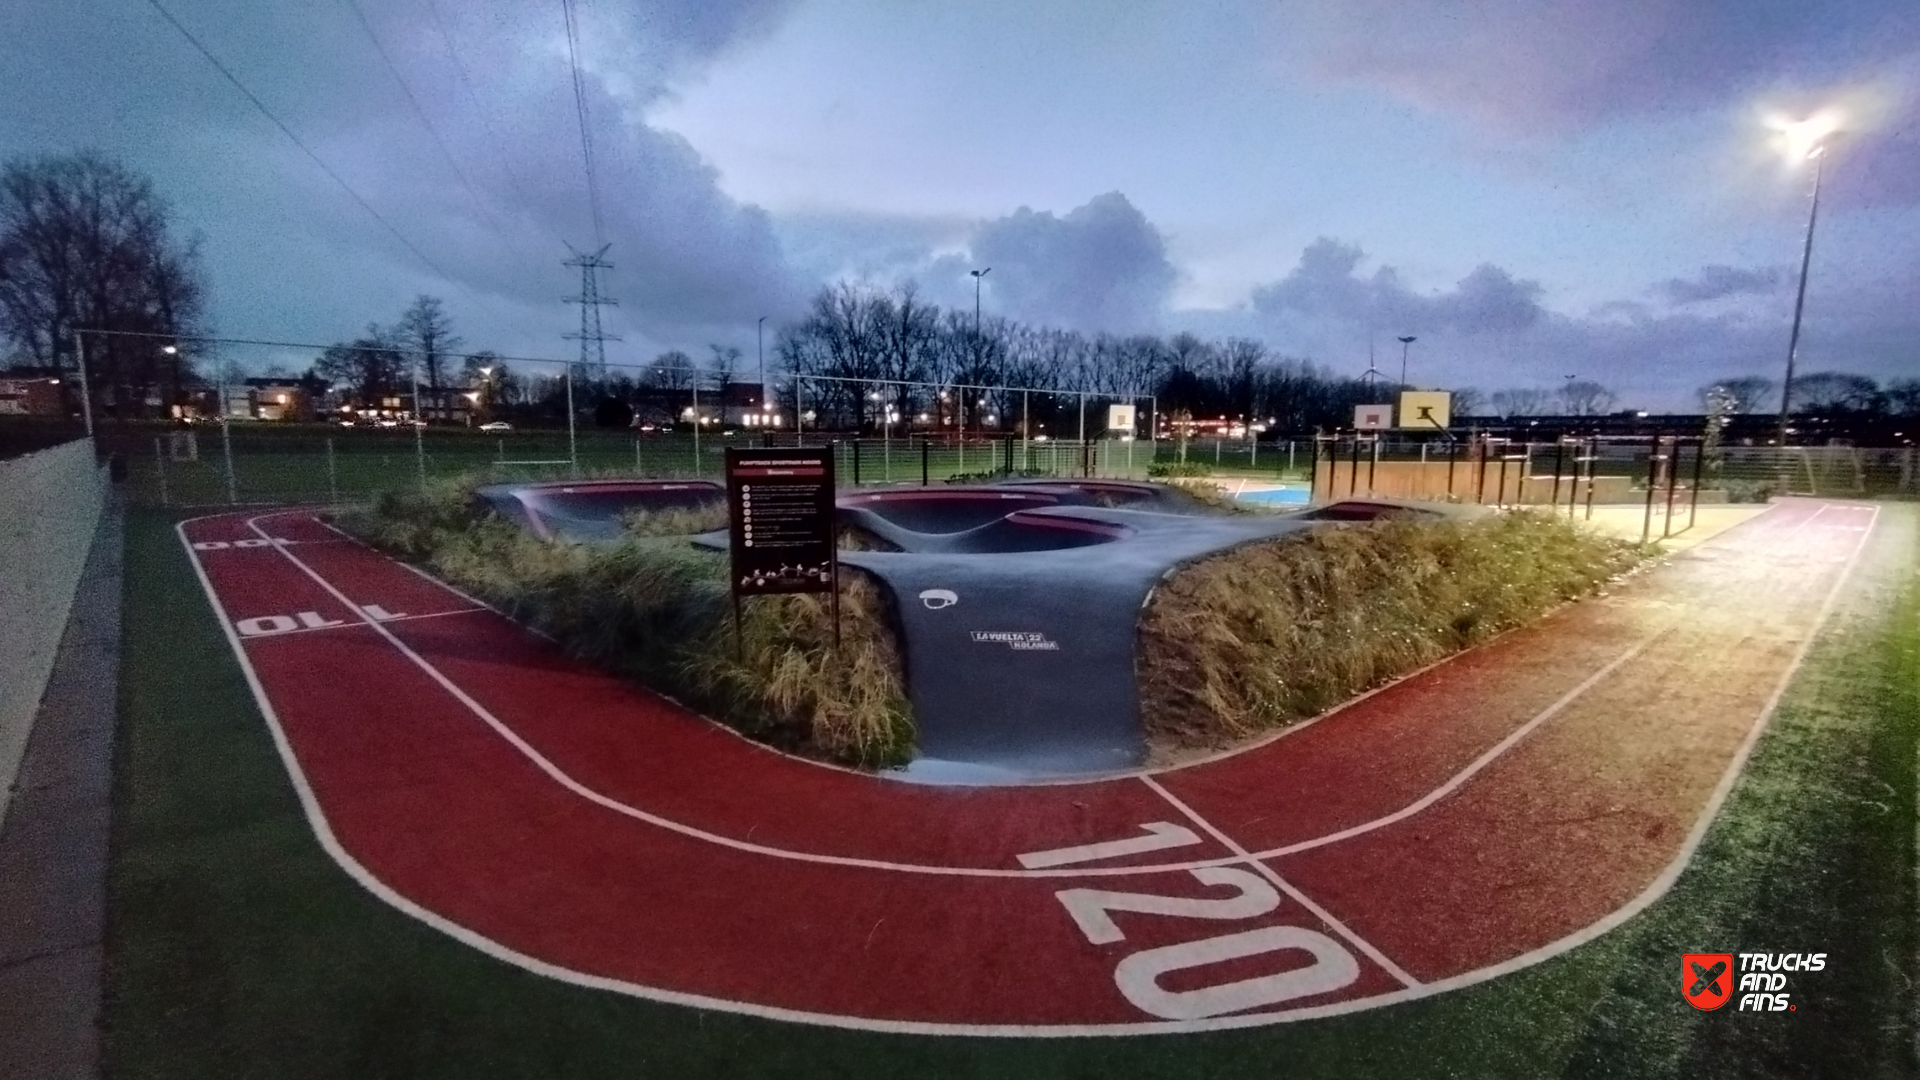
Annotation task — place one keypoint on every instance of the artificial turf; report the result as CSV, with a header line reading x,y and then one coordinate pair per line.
x,y
236,948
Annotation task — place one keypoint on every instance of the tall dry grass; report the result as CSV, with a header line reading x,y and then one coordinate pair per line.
x,y
1267,634
658,611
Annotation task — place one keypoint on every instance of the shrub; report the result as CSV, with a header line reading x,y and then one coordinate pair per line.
x,y
1178,468
658,611
1267,634
1749,491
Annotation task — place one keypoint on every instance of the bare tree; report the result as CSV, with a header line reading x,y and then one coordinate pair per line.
x,y
1742,394
1903,398
371,366
722,362
426,331
1833,392
1583,398
1468,401
1521,401
85,243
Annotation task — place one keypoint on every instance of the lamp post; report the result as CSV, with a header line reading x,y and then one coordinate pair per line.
x,y
1405,344
760,350
1817,153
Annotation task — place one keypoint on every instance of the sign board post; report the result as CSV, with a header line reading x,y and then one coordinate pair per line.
x,y
781,525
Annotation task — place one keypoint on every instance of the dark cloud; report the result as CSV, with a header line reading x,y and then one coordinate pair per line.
x,y
1491,330
492,212
1716,282
1102,266
1327,285
1523,65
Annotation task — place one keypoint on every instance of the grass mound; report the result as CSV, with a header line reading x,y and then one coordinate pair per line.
x,y
676,521
1267,634
658,611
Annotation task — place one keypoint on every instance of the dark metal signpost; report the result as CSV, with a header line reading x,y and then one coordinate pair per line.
x,y
781,515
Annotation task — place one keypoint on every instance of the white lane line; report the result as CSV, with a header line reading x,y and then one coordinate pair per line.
x,y
1647,898
1453,782
566,781
1366,948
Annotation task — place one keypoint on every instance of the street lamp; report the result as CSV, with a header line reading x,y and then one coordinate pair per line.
x,y
977,275
1405,343
760,350
1810,139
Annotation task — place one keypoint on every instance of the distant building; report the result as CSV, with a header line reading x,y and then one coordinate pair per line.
x,y
31,392
288,400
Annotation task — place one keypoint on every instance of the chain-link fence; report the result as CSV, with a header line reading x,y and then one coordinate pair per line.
x,y
249,463
1484,469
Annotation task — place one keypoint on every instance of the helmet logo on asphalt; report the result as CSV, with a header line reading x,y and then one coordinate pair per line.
x,y
935,599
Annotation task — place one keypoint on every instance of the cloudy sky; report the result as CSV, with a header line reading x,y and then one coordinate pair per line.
x,y
1534,188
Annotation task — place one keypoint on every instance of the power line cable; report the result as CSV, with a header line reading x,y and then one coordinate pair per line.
x,y
486,120
426,122
288,132
580,109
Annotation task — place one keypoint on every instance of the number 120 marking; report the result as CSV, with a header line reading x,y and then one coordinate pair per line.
x,y
1138,976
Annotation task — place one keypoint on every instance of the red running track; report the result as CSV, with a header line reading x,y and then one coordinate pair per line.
x,y
1478,817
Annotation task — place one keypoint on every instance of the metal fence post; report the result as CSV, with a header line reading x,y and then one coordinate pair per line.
x,y
1313,467
1699,461
1653,465
160,468
226,449
1673,477
856,460
926,452
573,440
333,476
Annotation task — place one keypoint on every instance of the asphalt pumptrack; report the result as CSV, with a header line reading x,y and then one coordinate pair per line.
x,y
1477,817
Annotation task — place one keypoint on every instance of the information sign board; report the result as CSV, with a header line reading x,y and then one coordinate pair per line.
x,y
782,520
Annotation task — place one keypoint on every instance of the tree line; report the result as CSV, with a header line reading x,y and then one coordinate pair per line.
x,y
87,244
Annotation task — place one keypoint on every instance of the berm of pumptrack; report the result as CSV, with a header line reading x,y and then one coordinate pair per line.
x,y
1477,817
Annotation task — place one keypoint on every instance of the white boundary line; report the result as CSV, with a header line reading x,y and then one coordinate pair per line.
x,y
1284,886
566,780
1478,763
1087,780
1654,891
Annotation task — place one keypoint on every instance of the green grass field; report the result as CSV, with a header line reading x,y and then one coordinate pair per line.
x,y
237,949
315,463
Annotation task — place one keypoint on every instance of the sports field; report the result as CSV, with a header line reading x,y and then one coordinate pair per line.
x,y
369,827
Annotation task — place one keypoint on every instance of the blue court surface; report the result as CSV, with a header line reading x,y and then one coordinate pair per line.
x,y
1293,496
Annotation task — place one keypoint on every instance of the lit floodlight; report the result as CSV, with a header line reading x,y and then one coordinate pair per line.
x,y
1806,138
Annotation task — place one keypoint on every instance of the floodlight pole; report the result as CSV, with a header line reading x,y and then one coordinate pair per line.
x,y
1800,296
1405,344
573,440
86,394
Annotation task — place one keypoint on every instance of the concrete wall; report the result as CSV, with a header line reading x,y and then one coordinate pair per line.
x,y
49,505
